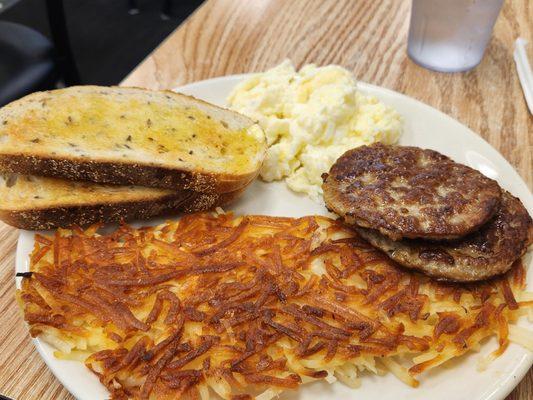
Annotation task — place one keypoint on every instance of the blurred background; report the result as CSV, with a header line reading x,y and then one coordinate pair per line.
x,y
46,43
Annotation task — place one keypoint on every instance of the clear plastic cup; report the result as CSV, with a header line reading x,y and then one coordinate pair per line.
x,y
451,35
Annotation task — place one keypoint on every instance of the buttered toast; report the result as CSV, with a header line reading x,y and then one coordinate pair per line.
x,y
130,136
39,203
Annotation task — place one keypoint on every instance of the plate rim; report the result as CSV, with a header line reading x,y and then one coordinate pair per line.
x,y
508,383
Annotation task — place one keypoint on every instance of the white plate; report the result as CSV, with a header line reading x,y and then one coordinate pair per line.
x,y
424,127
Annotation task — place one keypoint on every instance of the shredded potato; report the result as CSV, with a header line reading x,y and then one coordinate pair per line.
x,y
252,306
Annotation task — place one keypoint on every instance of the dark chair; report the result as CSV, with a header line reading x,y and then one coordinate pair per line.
x,y
166,8
27,62
57,21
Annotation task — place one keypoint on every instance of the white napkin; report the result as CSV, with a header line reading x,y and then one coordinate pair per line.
x,y
524,71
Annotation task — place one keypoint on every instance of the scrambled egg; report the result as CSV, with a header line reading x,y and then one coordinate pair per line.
x,y
311,117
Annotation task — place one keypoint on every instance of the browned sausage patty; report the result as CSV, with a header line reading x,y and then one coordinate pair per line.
x,y
409,192
488,252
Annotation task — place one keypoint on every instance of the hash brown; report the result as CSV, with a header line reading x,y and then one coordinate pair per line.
x,y
409,192
248,307
483,254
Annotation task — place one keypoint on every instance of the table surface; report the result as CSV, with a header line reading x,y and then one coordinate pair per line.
x,y
367,37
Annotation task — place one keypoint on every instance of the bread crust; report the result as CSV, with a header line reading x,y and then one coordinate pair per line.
x,y
83,215
124,173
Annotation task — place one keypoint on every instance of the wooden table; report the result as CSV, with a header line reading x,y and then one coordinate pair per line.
x,y
369,38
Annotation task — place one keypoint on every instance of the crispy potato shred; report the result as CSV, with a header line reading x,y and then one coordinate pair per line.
x,y
240,308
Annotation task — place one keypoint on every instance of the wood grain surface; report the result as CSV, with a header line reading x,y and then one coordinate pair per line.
x,y
369,38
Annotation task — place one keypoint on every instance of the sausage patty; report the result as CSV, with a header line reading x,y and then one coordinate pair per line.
x,y
488,252
409,192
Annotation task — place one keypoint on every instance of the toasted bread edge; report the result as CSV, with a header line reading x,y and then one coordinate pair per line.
x,y
124,173
83,215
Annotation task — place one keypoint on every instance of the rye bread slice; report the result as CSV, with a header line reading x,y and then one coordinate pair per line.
x,y
41,203
130,136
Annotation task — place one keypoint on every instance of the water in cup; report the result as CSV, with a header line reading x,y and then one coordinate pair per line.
x,y
451,35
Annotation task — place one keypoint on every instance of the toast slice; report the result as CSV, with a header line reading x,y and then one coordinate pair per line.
x,y
130,136
40,203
